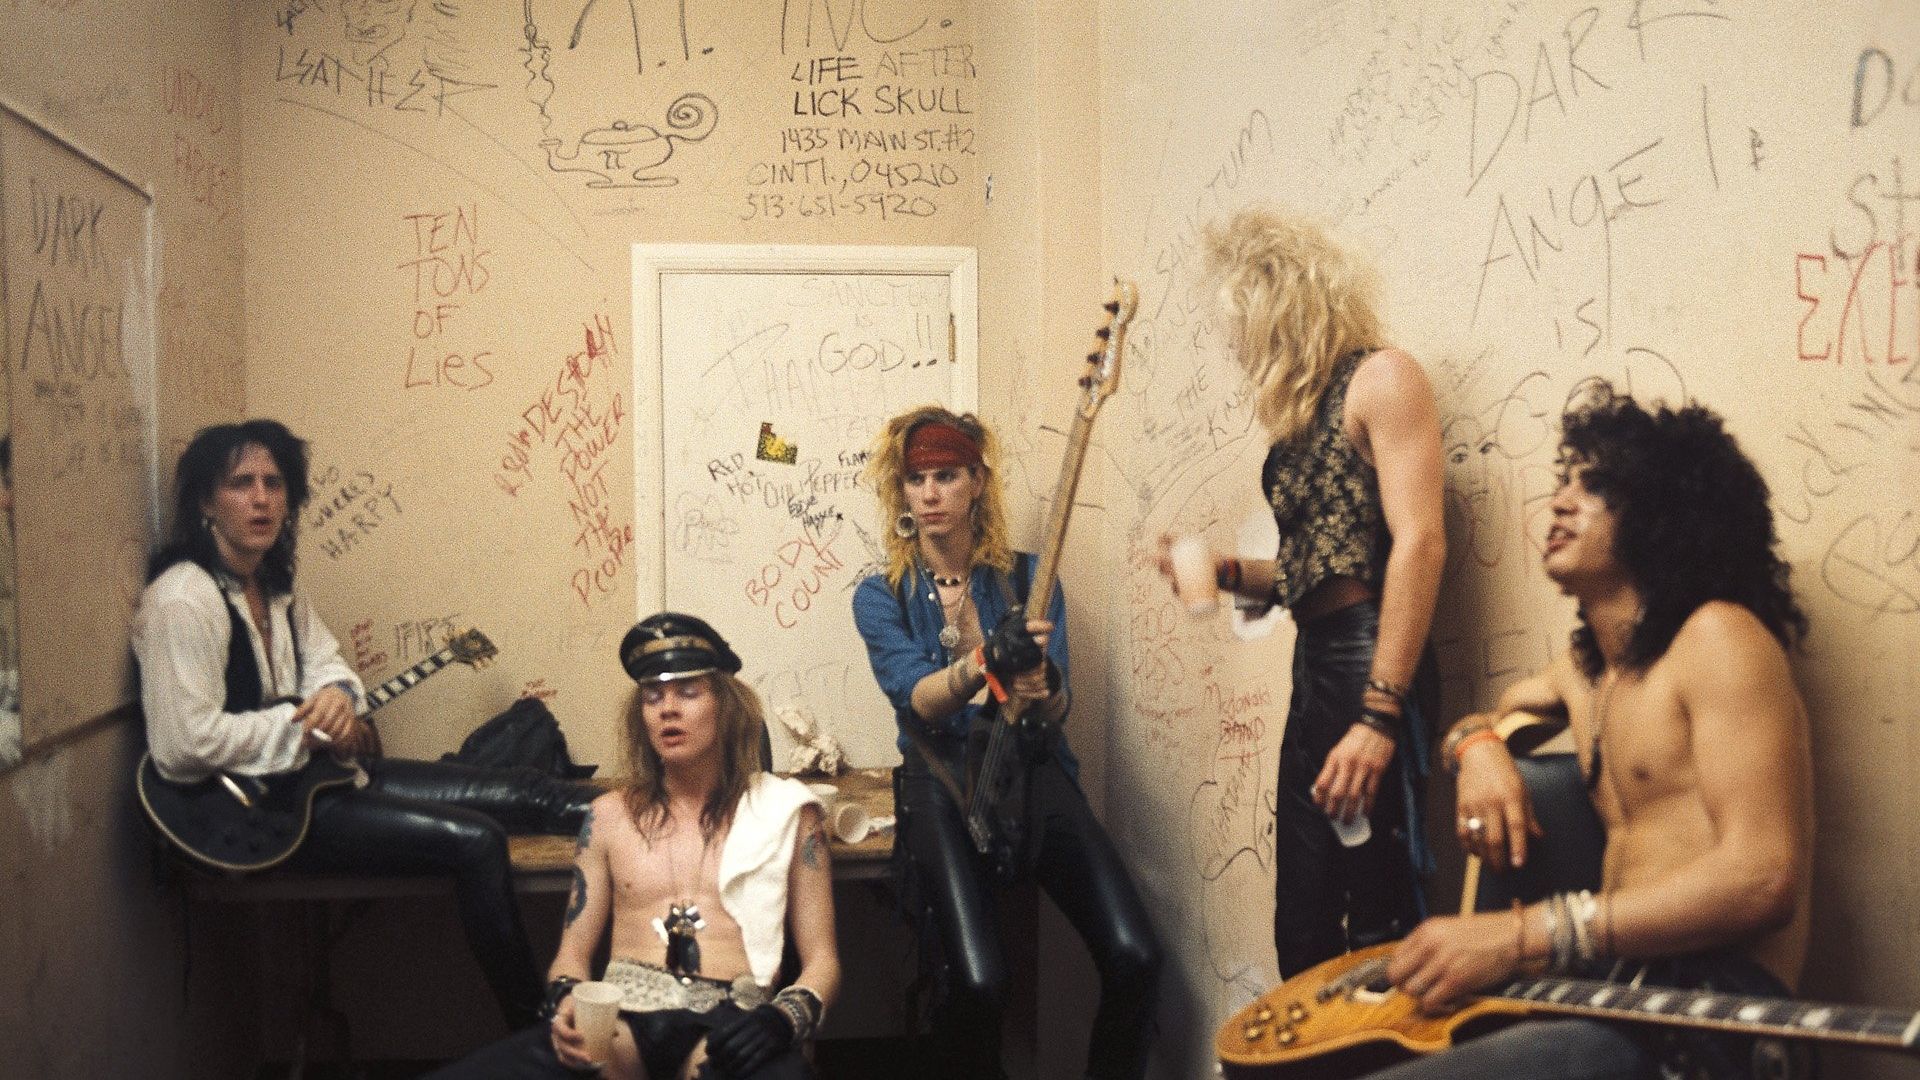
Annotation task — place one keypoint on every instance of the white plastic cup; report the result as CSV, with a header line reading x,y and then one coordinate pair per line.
x,y
596,1005
1193,575
1352,833
851,824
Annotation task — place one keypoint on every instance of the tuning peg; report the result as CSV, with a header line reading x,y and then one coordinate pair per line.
x,y
1112,306
1103,333
1093,358
1086,381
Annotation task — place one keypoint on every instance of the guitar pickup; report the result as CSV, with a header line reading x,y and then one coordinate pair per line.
x,y
1367,995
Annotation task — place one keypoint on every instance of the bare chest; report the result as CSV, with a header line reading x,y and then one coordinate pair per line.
x,y
1635,744
680,866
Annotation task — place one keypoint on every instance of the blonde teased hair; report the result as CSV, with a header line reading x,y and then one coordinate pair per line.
x,y
886,471
1293,303
742,719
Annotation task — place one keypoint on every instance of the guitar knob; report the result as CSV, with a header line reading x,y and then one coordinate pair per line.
x,y
1253,1032
1287,1037
1296,1012
1265,1014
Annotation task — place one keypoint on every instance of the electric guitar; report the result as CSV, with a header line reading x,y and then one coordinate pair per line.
x,y
996,803
241,823
1341,1019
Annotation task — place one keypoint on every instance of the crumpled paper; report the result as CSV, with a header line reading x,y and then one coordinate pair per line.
x,y
814,752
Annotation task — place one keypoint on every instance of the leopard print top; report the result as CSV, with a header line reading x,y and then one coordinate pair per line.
x,y
1326,501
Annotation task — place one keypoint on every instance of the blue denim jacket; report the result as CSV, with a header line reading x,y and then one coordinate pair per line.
x,y
903,644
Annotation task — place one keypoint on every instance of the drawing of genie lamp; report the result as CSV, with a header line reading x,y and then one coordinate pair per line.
x,y
627,151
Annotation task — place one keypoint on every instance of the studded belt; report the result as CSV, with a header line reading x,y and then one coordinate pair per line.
x,y
650,988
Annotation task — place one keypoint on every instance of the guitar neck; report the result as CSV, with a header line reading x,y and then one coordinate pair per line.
x,y
1857,1024
408,679
1061,511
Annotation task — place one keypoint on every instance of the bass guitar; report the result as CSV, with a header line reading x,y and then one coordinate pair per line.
x,y
243,823
1341,1019
996,803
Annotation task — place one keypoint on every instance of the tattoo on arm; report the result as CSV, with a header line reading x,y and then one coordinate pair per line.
x,y
586,834
578,901
812,847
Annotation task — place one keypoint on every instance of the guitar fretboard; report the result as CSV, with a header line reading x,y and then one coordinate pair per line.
x,y
1732,1012
408,679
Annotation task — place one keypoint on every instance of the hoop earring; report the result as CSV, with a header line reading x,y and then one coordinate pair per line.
x,y
906,526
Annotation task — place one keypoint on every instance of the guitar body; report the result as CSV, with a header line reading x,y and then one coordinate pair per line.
x,y
1313,1026
210,824
997,816
1708,1017
245,823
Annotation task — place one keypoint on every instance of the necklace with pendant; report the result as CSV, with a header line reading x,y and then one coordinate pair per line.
x,y
1600,698
950,633
680,928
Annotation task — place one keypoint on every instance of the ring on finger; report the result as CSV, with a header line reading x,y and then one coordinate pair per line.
x,y
1474,825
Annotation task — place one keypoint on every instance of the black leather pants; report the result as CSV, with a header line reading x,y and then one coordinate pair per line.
x,y
1329,898
430,817
1077,866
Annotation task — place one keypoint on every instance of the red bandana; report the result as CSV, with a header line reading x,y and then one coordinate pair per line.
x,y
935,445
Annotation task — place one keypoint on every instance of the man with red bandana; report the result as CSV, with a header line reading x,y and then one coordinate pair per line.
x,y
947,612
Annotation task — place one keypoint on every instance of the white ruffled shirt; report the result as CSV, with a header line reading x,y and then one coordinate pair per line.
x,y
754,865
181,634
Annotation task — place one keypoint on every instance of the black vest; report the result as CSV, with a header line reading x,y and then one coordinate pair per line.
x,y
244,688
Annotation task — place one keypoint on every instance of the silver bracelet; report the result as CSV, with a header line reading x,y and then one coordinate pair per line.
x,y
1582,908
956,680
1559,934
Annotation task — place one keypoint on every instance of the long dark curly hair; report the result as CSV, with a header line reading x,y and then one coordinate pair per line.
x,y
1692,519
206,461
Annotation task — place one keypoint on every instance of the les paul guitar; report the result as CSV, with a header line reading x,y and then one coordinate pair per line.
x,y
996,810
241,823
1341,1019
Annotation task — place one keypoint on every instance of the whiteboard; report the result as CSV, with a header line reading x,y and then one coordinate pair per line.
x,y
777,366
76,301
